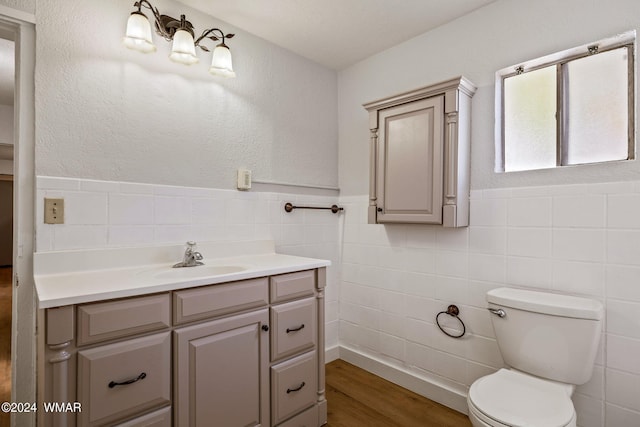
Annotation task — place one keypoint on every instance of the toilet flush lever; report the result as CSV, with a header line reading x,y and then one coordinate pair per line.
x,y
498,312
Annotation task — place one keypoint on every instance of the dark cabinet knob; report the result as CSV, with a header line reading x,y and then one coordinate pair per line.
x,y
265,328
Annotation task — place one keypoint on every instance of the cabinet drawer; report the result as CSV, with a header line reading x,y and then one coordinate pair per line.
x,y
292,285
100,368
308,418
159,418
293,327
217,300
115,319
293,386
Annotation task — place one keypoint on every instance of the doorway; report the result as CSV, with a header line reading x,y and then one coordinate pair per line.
x,y
7,90
17,28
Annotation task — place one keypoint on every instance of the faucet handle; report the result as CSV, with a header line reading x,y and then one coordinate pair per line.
x,y
191,243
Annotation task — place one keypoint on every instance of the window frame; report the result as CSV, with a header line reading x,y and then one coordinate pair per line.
x,y
559,59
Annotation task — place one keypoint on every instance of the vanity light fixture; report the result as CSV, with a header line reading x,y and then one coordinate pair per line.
x,y
181,33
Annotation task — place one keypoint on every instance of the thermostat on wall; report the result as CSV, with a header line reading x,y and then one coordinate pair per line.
x,y
244,179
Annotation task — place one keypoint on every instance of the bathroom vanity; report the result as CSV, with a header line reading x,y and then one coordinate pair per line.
x,y
236,342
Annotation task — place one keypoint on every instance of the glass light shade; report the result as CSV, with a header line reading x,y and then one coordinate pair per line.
x,y
183,49
221,64
138,36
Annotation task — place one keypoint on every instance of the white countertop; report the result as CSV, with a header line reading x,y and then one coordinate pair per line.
x,y
72,277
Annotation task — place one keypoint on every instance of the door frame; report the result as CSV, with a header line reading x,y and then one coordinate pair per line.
x,y
23,329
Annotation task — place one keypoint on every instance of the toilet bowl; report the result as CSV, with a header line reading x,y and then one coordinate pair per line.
x,y
511,398
549,342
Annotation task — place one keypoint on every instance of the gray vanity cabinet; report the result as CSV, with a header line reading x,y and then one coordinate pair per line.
x,y
419,158
249,352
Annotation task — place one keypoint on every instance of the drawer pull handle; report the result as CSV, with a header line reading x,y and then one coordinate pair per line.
x,y
295,329
291,390
142,376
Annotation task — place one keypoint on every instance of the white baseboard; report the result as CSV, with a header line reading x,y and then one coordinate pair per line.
x,y
427,387
331,354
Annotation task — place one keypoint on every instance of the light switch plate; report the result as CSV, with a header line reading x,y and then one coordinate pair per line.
x,y
54,211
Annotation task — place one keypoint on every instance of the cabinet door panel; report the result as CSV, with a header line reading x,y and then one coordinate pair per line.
x,y
410,162
221,370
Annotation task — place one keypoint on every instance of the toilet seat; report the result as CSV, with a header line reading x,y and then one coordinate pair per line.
x,y
512,398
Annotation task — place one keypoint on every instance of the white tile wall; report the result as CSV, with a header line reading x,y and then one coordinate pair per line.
x,y
576,239
114,214
387,283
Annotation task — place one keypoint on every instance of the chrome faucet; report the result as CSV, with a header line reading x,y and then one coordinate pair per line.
x,y
191,257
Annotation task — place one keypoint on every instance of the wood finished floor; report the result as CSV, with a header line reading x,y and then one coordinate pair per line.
x,y
357,398
5,341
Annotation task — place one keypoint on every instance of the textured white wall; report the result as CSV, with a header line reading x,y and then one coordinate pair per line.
x,y
476,45
28,6
6,124
6,167
106,112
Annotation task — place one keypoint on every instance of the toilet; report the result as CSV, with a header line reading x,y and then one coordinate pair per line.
x,y
549,343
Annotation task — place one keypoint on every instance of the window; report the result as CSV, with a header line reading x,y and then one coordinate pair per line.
x,y
570,108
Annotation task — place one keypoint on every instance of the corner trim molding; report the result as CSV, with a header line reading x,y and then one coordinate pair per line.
x,y
21,15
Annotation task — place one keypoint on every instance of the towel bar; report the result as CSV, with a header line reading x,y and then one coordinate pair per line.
x,y
289,207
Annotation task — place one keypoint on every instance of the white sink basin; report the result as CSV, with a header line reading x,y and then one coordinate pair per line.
x,y
198,271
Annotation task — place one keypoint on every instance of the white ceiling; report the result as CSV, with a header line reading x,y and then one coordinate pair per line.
x,y
336,33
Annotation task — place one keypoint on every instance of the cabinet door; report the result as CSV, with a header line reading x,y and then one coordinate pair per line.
x,y
409,162
222,372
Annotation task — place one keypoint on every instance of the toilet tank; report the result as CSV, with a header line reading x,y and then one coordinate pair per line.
x,y
548,335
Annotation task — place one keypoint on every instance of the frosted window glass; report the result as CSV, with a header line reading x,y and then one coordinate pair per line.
x,y
530,120
596,108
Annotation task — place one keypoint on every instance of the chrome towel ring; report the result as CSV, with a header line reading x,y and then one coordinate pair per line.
x,y
452,311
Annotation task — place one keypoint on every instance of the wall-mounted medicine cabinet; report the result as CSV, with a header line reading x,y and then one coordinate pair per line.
x,y
420,155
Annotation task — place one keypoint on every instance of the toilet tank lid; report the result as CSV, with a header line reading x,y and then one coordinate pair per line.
x,y
547,303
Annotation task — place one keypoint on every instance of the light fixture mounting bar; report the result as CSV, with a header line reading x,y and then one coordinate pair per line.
x,y
210,34
165,25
